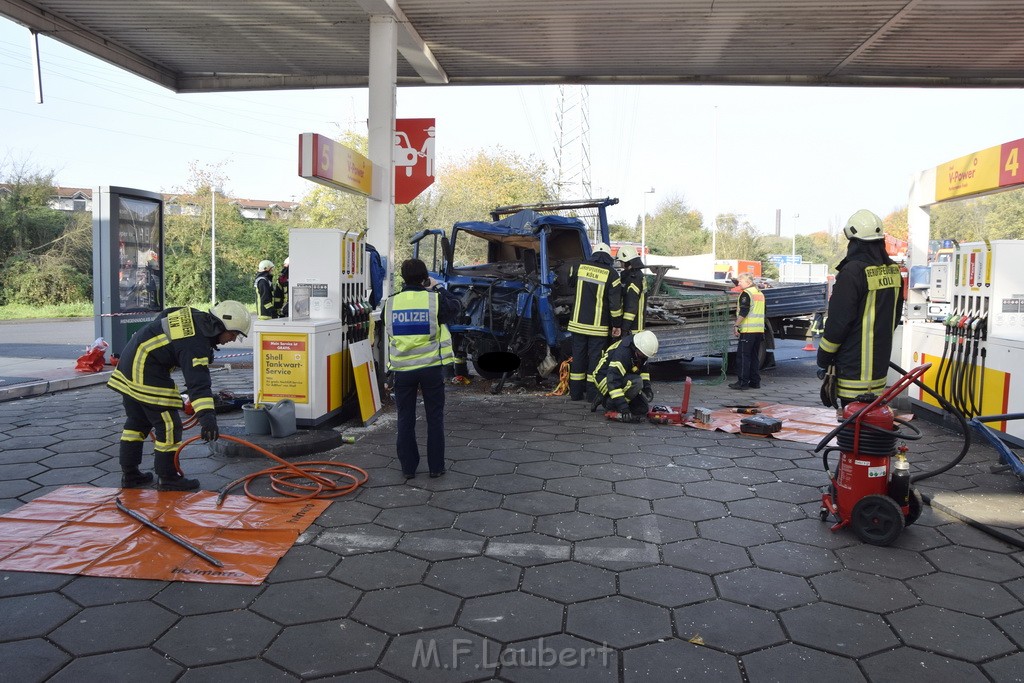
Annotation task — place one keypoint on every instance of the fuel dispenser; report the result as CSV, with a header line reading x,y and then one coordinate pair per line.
x,y
306,357
977,350
127,262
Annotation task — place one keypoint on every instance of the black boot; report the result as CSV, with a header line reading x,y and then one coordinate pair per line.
x,y
177,482
134,479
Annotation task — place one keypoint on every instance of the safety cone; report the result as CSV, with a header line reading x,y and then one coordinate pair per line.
x,y
809,346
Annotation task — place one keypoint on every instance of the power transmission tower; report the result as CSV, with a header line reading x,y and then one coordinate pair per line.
x,y
572,146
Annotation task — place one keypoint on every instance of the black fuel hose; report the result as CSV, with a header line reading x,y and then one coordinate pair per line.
x,y
991,531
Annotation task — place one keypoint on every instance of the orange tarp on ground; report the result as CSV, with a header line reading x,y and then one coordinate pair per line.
x,y
79,530
799,423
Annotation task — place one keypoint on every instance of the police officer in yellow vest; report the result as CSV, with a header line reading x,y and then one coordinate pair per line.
x,y
865,307
596,317
419,344
750,327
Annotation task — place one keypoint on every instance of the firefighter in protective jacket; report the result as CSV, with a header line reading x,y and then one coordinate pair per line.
x,y
623,382
182,338
634,290
865,308
596,316
264,284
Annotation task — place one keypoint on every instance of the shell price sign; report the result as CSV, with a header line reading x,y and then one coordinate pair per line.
x,y
990,169
330,163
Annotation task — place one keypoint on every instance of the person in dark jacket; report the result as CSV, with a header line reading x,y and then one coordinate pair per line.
x,y
864,310
264,284
280,293
179,338
596,318
419,346
634,290
623,382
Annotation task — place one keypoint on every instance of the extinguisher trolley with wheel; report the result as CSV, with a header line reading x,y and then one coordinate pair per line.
x,y
869,489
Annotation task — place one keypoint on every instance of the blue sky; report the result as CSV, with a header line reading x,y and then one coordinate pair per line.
x,y
818,154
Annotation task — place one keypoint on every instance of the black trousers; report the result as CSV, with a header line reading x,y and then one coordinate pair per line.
x,y
586,354
430,381
165,423
748,373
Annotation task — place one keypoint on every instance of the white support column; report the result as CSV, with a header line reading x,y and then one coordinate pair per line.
x,y
380,213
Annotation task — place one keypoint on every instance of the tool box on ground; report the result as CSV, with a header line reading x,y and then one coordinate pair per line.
x,y
760,425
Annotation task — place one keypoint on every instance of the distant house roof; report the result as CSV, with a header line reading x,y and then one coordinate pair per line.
x,y
63,192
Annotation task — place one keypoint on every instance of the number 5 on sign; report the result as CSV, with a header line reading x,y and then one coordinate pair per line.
x,y
1010,171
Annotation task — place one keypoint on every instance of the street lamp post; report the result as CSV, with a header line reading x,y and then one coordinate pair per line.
x,y
213,245
795,216
643,227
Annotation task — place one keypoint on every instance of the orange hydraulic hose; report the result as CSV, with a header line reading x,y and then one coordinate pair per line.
x,y
321,479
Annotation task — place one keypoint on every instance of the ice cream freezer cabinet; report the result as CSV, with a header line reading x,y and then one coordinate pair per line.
x,y
305,361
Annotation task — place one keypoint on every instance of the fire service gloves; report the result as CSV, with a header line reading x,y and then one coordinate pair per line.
x,y
208,425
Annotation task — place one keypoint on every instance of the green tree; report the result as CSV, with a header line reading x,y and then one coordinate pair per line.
x,y
895,224
677,230
738,240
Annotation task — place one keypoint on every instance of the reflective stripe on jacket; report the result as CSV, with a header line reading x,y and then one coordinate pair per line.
x,y
416,337
634,301
598,305
753,322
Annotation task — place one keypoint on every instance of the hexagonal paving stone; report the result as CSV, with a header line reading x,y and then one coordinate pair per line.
x,y
416,518
539,503
762,588
108,628
22,470
868,592
473,576
509,483
614,506
507,617
249,670
31,660
611,472
728,626
303,562
569,582
764,510
358,539
394,496
690,509
950,633
524,455
29,616
979,564
891,562
738,531
548,470
675,661
216,638
837,629
708,557
926,667
814,532
441,544
204,598
574,660
616,553
574,526
406,609
579,486
494,522
1004,669
466,500
528,549
795,558
380,570
655,529
618,621
666,586
1013,626
94,590
798,664
483,467
448,654
964,594
121,665
648,489
326,648
301,602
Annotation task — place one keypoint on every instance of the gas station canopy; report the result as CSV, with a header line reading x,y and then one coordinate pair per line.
x,y
203,46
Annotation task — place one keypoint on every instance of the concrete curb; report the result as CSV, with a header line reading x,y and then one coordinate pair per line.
x,y
49,386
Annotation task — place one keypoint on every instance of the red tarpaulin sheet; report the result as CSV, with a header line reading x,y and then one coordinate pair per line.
x,y
799,423
79,530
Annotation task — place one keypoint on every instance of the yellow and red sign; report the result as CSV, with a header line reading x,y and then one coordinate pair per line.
x,y
990,169
330,163
284,367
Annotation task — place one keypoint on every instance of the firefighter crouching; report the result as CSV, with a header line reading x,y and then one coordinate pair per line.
x,y
622,377
179,338
596,316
